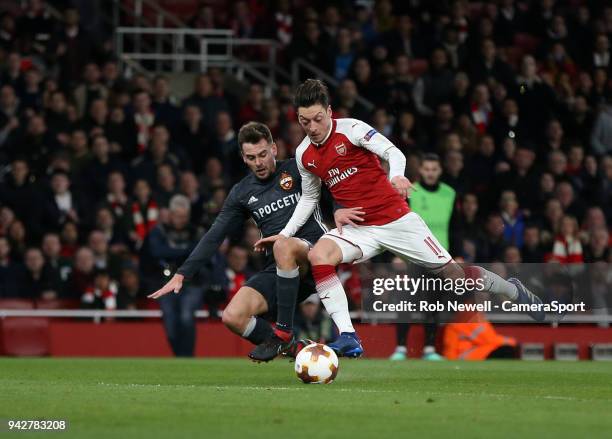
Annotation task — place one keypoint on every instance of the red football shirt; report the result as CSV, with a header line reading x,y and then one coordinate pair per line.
x,y
348,163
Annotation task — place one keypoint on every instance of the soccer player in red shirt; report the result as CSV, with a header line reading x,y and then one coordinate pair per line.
x,y
345,155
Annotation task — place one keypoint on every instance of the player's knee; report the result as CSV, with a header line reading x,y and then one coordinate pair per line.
x,y
231,318
281,247
285,250
319,256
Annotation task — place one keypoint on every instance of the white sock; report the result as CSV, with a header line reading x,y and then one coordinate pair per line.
x,y
334,300
493,283
249,327
401,349
429,350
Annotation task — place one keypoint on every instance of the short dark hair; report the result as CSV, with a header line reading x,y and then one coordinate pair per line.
x,y
253,132
430,157
311,92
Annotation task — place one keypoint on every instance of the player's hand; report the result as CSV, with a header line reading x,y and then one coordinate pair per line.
x,y
175,284
260,246
343,217
402,185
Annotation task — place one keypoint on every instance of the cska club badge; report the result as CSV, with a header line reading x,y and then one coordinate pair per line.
x,y
286,181
341,149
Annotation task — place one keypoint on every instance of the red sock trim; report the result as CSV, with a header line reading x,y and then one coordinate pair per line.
x,y
282,334
320,273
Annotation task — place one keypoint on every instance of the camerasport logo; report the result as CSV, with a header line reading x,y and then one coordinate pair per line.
x,y
286,181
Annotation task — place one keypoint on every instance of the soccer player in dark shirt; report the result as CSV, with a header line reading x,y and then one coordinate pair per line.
x,y
268,195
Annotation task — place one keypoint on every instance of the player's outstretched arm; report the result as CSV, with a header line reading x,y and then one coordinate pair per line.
x,y
173,285
231,215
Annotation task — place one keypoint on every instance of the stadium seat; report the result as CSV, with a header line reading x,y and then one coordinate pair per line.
x,y
513,55
418,67
566,351
526,42
25,336
16,304
57,304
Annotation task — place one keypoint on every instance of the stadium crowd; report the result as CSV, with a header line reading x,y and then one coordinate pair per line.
x,y
108,181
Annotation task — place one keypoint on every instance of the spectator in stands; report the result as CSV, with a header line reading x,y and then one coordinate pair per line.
x,y
209,103
168,245
103,259
347,98
145,166
166,185
83,273
192,137
494,244
56,118
144,212
144,118
598,247
96,172
117,199
11,272
252,109
91,88
190,188
312,323
97,121
40,280
535,98
18,192
130,291
567,248
226,142
74,48
102,294
65,204
51,247
532,251
514,223
164,104
435,86
601,137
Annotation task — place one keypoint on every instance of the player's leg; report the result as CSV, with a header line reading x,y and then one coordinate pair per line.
x,y
401,335
493,283
291,256
242,315
410,238
327,254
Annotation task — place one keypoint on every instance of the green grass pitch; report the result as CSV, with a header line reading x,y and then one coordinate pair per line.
x,y
223,398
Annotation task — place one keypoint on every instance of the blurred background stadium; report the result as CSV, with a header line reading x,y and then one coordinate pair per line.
x,y
110,109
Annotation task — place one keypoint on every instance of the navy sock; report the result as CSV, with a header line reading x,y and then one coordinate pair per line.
x,y
258,331
287,286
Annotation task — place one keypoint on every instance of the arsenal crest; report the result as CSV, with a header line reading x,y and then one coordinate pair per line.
x,y
341,149
286,181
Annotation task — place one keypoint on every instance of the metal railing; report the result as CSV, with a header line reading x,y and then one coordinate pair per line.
x,y
98,315
217,48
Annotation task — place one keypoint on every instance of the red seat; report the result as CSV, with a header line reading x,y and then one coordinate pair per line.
x,y
513,55
418,67
527,42
16,304
25,336
58,304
